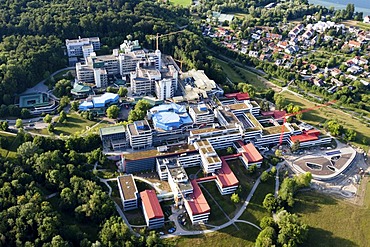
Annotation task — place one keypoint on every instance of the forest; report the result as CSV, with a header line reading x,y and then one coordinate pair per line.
x,y
80,213
33,33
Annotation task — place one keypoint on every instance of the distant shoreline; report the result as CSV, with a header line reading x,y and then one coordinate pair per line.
x,y
329,4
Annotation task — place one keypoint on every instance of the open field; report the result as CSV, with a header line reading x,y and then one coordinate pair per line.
x,y
251,77
181,2
255,211
13,144
217,217
357,24
335,222
320,115
75,123
226,237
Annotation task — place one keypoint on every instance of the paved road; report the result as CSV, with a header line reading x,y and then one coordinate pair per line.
x,y
277,181
41,87
150,183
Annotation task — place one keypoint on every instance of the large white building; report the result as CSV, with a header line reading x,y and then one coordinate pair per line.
x,y
210,160
75,47
201,114
140,134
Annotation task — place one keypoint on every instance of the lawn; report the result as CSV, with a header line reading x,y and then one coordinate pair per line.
x,y
225,237
320,115
181,2
75,123
334,222
251,77
13,144
224,201
255,211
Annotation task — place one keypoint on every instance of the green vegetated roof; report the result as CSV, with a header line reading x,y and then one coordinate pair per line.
x,y
112,130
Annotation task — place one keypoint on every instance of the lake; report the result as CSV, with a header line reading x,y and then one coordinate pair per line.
x,y
360,5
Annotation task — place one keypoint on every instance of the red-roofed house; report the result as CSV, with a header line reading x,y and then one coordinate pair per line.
x,y
152,209
226,181
197,206
238,96
275,114
251,156
309,138
310,135
355,44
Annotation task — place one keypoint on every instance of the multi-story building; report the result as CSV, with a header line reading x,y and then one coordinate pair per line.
x,y
114,137
75,46
152,210
188,159
100,78
210,160
163,89
128,192
140,134
226,181
143,79
178,180
201,114
197,206
87,50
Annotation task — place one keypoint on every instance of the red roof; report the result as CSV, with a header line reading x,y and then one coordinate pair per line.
x,y
198,203
226,176
276,114
310,135
151,204
251,153
238,96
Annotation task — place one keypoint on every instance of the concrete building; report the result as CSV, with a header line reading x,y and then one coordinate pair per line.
x,y
197,206
201,114
140,134
101,78
143,79
152,210
128,192
210,160
178,179
163,89
195,85
87,50
75,46
114,137
188,159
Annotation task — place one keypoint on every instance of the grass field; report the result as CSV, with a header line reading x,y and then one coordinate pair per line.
x,y
251,77
320,115
181,2
13,144
226,237
334,222
255,211
75,123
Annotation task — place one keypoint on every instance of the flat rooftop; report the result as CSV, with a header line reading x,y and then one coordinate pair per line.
x,y
128,186
138,127
153,153
112,130
180,177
